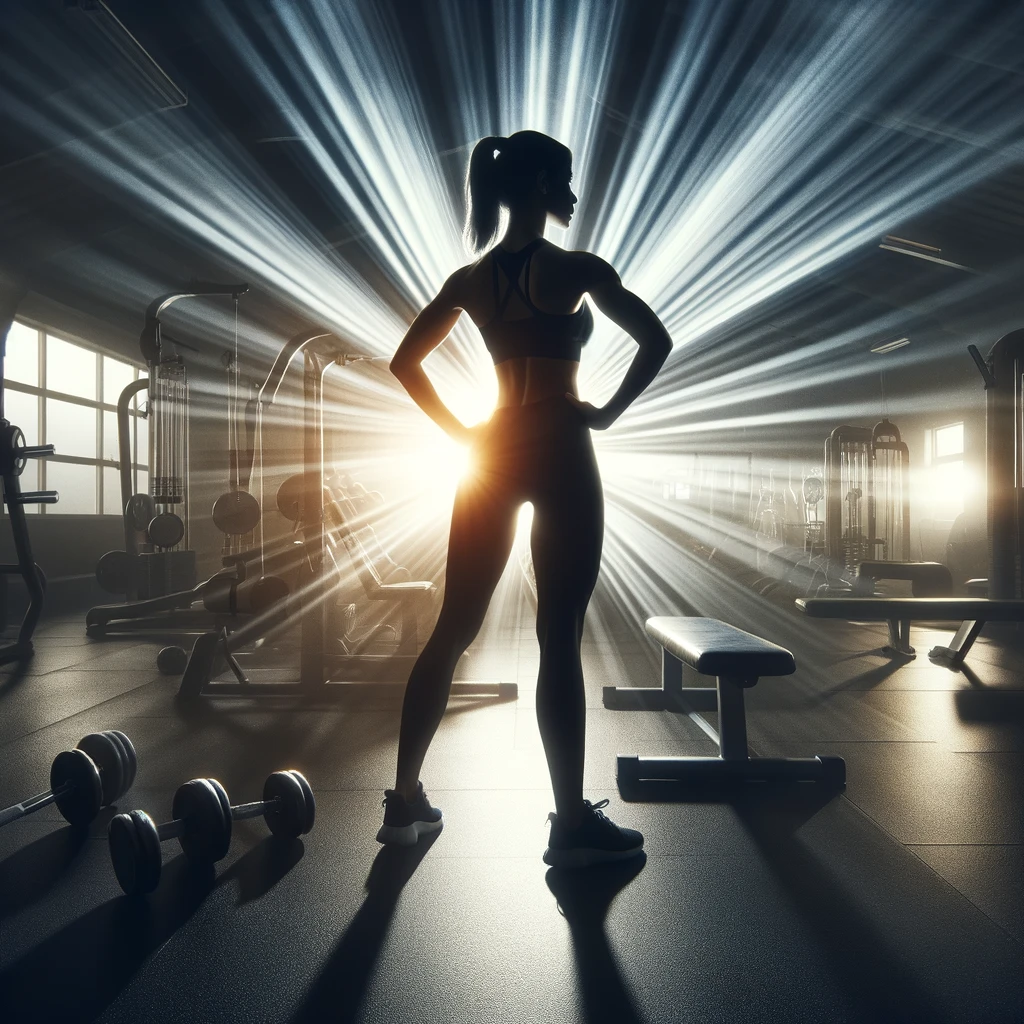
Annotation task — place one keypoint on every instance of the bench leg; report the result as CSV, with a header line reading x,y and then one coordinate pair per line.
x,y
961,643
899,638
732,721
671,695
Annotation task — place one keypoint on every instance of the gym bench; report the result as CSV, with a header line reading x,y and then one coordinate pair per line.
x,y
737,659
899,612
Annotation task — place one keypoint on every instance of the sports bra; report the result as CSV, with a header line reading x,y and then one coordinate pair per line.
x,y
547,335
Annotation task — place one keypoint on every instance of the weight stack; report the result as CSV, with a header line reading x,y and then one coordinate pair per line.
x,y
166,572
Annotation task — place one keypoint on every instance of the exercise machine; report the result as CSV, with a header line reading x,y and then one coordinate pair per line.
x,y
867,495
14,456
328,665
156,571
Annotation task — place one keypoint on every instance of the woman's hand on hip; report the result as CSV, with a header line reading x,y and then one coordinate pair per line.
x,y
473,435
595,418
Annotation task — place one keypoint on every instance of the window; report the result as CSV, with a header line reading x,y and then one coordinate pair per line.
x,y
65,393
944,458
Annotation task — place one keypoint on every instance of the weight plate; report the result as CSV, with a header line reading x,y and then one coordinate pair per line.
x,y
16,440
288,816
135,851
225,806
171,661
208,832
108,756
267,591
141,509
165,530
113,572
307,791
289,498
132,758
84,797
236,513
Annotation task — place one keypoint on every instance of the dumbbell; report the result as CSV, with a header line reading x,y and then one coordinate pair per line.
x,y
202,825
100,770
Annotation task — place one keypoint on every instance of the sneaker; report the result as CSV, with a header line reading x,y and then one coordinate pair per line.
x,y
405,822
597,840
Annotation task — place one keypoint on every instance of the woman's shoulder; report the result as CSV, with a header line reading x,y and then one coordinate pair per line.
x,y
591,270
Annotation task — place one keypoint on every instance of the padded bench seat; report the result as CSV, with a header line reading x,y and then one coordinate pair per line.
x,y
737,659
899,612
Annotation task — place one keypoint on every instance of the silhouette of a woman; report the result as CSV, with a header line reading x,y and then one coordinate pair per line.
x,y
526,295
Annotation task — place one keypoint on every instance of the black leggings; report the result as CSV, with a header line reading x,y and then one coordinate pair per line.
x,y
541,453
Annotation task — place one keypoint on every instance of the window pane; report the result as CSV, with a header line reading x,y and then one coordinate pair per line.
x,y
141,479
70,368
141,453
22,362
77,487
111,492
71,428
23,411
115,376
949,440
108,446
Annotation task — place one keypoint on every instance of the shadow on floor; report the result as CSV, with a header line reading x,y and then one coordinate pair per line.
x,y
584,898
339,991
77,972
27,875
869,965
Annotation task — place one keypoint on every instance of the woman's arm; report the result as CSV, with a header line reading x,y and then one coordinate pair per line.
x,y
640,322
426,332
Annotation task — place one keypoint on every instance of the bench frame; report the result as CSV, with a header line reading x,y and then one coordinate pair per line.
x,y
973,614
734,761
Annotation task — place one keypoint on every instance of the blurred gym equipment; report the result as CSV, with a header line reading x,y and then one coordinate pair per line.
x,y
159,577
867,496
972,612
1004,426
14,454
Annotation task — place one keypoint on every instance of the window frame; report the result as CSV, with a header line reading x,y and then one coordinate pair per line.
x,y
41,393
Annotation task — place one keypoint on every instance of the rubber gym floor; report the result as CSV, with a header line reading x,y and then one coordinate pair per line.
x,y
900,899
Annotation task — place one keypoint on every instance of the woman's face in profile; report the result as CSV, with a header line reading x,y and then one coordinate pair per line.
x,y
561,199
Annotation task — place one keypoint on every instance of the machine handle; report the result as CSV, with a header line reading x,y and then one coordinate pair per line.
x,y
32,498
36,451
983,367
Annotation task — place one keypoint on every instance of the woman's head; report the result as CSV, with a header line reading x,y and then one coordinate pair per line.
x,y
525,167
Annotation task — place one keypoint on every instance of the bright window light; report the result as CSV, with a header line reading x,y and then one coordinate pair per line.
x,y
22,361
949,441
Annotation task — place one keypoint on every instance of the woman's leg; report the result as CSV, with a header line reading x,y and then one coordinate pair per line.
x,y
482,531
568,529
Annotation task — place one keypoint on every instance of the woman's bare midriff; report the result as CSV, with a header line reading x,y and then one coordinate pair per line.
x,y
532,379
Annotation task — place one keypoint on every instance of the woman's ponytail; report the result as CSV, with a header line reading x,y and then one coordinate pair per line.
x,y
483,193
505,171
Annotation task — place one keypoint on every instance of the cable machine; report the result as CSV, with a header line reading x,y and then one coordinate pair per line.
x,y
867,495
